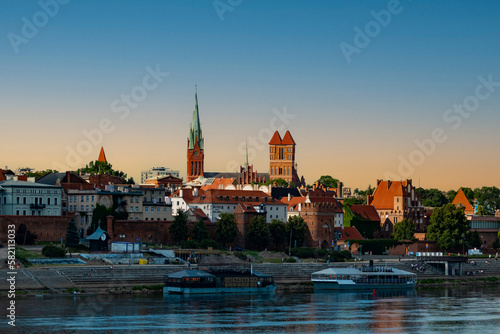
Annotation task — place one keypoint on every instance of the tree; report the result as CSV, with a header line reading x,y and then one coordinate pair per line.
x,y
179,229
448,226
200,231
72,237
104,167
473,239
451,195
277,228
39,174
297,228
225,228
258,232
481,211
488,198
279,182
99,217
404,230
432,197
24,236
469,193
328,182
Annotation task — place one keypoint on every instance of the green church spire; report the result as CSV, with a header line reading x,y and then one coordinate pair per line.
x,y
195,134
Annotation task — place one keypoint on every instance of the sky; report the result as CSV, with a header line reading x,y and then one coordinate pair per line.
x,y
368,89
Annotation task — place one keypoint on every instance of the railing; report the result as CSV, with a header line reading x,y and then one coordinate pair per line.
x,y
37,206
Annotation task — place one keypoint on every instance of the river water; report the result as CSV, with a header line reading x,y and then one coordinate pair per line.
x,y
458,310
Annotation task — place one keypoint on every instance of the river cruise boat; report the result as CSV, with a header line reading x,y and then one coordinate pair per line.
x,y
218,280
363,277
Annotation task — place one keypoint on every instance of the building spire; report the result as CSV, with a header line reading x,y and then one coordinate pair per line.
x,y
195,134
246,161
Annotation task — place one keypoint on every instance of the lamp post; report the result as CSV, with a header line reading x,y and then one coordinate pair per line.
x,y
290,246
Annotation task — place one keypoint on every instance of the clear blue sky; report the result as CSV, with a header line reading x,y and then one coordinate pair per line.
x,y
353,120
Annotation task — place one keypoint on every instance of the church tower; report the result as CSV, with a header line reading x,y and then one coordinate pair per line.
x,y
282,158
195,158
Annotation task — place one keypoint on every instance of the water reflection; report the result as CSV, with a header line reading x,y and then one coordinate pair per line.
x,y
407,311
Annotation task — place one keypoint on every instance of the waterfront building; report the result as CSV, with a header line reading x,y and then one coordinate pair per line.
x,y
394,201
487,227
28,198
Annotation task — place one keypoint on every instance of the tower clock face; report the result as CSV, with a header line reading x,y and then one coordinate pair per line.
x,y
196,153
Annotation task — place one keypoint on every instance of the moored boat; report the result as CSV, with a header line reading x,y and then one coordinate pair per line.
x,y
363,277
218,279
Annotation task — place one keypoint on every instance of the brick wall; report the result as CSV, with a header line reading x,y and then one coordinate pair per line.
x,y
47,228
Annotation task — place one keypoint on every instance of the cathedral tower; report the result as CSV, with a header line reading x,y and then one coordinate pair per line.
x,y
195,158
282,158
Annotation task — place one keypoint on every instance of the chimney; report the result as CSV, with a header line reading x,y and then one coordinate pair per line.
x,y
388,184
339,189
181,193
68,176
378,182
31,179
195,192
15,178
110,225
289,197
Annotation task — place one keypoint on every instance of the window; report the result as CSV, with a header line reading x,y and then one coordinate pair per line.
x,y
165,210
17,200
48,212
24,200
136,209
48,201
17,212
158,210
87,198
24,212
55,201
81,208
146,209
81,199
86,208
92,198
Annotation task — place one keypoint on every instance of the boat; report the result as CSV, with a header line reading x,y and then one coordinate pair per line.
x,y
218,279
363,278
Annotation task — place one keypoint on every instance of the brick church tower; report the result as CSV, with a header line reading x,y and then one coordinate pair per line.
x,y
195,158
282,158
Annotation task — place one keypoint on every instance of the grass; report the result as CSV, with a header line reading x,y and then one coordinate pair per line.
x,y
22,252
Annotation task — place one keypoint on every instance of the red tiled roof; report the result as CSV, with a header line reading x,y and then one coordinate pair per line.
x,y
276,139
287,139
460,198
294,201
247,197
217,182
349,233
187,194
102,156
383,197
366,211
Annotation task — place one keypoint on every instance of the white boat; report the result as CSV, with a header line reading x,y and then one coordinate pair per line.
x,y
363,277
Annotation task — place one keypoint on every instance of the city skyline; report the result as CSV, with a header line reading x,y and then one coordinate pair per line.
x,y
374,90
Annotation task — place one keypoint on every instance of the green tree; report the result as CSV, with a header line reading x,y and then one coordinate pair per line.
x,y
328,181
72,236
404,230
451,195
279,182
200,231
277,228
104,167
258,232
99,217
473,239
469,193
488,198
225,228
179,228
297,228
481,211
447,226
432,197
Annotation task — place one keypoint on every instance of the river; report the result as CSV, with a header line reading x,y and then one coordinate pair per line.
x,y
457,310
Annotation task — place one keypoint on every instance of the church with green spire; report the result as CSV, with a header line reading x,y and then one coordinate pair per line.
x,y
195,151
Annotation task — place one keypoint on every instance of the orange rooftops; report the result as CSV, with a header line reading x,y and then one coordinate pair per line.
x,y
287,139
276,140
383,197
461,199
102,156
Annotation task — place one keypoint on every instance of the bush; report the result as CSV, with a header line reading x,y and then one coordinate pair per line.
x,y
290,260
205,243
53,251
190,244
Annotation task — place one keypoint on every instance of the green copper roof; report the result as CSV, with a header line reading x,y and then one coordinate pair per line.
x,y
195,131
